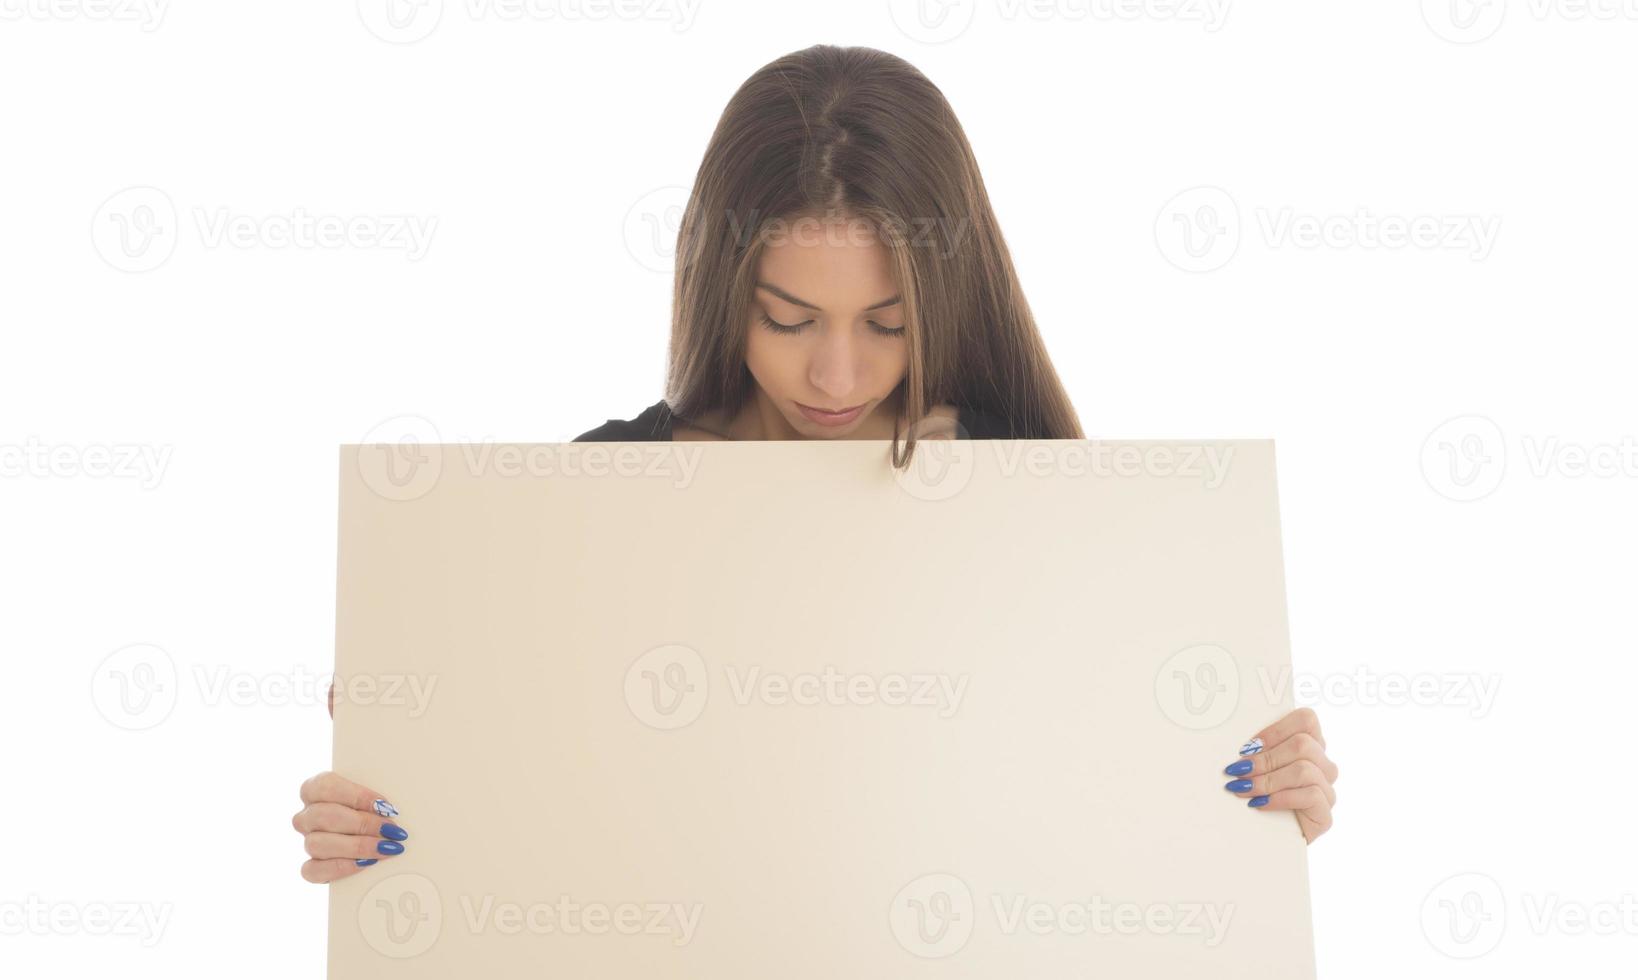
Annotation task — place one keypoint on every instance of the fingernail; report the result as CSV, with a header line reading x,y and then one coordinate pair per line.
x,y
364,862
1239,786
1250,748
389,847
385,809
1257,801
392,831
1238,768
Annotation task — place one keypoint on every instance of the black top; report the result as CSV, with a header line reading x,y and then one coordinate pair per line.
x,y
653,424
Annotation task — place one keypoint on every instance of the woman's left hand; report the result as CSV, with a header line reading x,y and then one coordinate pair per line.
x,y
1284,767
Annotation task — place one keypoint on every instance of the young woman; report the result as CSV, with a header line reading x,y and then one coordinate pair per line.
x,y
840,275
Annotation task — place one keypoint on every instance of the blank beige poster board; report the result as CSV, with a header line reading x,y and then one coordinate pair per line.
x,y
774,709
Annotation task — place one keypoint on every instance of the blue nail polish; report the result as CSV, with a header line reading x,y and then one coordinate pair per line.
x,y
1239,786
364,862
1238,768
385,809
1252,747
392,831
1257,801
389,847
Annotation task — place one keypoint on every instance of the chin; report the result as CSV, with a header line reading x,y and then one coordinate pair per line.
x,y
814,430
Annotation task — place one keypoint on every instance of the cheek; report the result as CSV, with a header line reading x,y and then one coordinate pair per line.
x,y
885,365
895,361
771,362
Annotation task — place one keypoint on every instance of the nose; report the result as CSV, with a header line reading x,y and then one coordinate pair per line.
x,y
834,368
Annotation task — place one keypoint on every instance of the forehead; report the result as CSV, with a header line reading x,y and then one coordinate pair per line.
x,y
839,265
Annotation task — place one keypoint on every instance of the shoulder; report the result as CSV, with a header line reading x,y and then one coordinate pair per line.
x,y
652,424
948,421
976,423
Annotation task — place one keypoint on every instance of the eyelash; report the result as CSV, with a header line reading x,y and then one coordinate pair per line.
x,y
778,327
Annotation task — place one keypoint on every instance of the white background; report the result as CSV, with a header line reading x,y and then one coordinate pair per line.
x,y
1492,553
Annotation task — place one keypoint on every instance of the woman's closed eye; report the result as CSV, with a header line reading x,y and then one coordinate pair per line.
x,y
778,327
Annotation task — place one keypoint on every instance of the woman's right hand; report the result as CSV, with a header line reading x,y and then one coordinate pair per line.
x,y
345,828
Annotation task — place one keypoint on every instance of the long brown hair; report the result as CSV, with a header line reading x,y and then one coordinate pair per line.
x,y
859,133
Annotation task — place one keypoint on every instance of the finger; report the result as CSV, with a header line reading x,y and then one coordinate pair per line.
x,y
1301,747
335,818
321,845
1303,720
330,869
1295,776
1300,798
1312,808
328,787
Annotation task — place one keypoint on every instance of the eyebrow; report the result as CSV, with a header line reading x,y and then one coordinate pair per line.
x,y
787,297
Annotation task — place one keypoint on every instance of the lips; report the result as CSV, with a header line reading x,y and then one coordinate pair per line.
x,y
823,417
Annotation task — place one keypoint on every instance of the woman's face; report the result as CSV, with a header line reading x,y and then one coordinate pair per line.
x,y
826,340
